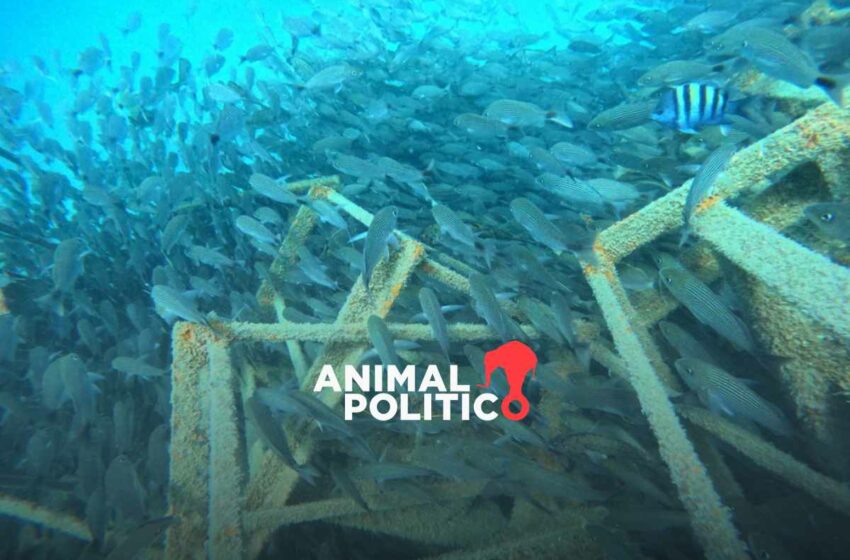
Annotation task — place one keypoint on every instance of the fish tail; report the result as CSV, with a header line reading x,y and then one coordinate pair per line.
x,y
834,86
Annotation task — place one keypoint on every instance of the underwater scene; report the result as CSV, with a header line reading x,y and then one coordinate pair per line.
x,y
438,280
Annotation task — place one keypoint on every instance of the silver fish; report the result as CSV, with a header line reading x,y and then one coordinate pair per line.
x,y
382,226
488,308
707,307
772,53
535,222
723,392
169,304
451,224
683,342
80,388
577,194
136,368
382,340
251,227
173,231
431,307
703,182
332,77
268,187
831,218
68,264
314,269
623,116
273,436
123,490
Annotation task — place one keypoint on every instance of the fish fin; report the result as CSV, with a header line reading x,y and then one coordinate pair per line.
x,y
502,440
308,473
834,86
716,404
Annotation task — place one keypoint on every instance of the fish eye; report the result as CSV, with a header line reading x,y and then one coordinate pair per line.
x,y
827,217
690,371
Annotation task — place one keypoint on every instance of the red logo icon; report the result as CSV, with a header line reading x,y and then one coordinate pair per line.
x,y
516,360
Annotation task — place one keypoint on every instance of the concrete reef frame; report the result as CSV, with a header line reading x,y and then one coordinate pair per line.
x,y
217,499
804,278
228,508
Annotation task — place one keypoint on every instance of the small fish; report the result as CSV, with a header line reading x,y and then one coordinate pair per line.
x,y
141,538
211,257
703,182
520,114
332,77
538,226
709,21
451,224
313,269
80,387
170,303
676,72
53,392
257,53
573,154
273,436
344,482
134,21
541,317
577,194
621,117
707,307
136,368
479,127
172,232
635,277
382,340
689,107
328,214
383,223
431,308
831,218
124,492
268,187
723,392
68,264
223,39
222,93
251,227
487,306
683,342
772,53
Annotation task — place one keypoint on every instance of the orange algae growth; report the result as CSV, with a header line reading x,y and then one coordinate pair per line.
x,y
707,203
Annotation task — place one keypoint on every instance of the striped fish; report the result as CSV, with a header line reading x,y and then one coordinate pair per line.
x,y
723,392
707,307
703,182
535,222
689,107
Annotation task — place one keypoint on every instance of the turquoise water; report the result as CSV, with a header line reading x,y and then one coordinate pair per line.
x,y
192,245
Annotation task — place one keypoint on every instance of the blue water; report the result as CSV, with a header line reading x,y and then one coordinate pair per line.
x,y
479,129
